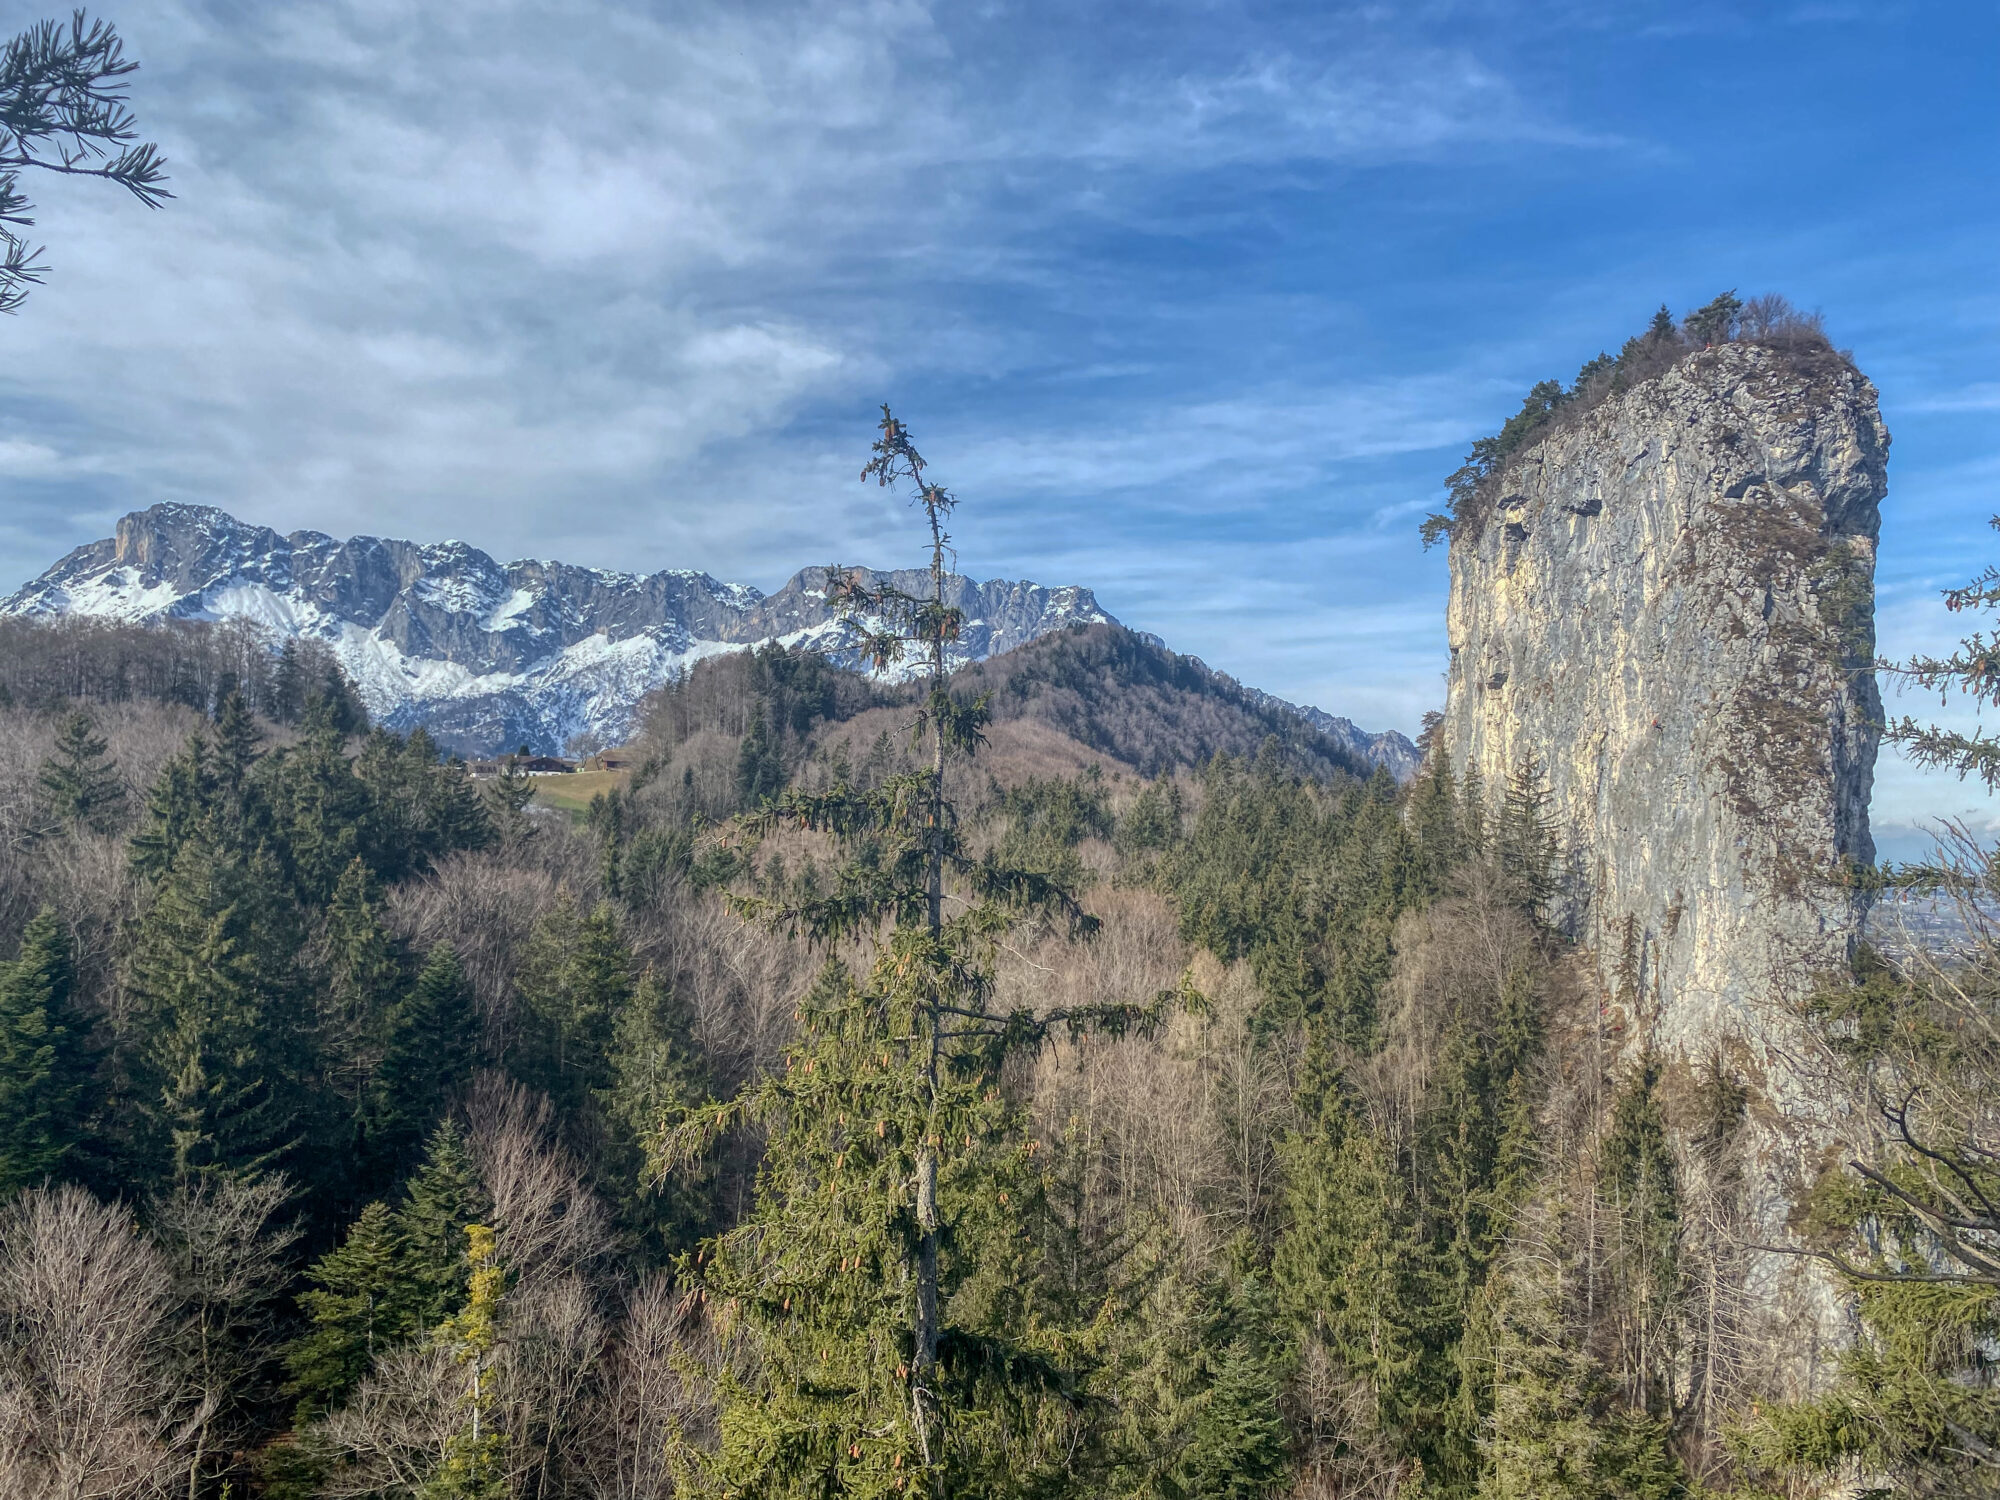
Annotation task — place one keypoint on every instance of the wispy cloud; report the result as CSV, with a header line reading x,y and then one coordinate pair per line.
x,y
1194,303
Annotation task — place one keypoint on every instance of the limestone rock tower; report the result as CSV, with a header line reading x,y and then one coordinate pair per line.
x,y
1667,605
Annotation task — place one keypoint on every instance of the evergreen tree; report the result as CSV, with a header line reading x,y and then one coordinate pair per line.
x,y
208,981
892,1152
574,980
363,973
1637,1188
318,809
1209,1422
178,802
360,1303
1152,824
1348,1271
1714,322
78,786
1556,1432
42,1063
1524,840
429,1052
288,684
506,798
333,706
760,769
657,1073
443,1197
237,742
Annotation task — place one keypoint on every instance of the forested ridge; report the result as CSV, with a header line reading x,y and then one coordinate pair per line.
x,y
1055,1079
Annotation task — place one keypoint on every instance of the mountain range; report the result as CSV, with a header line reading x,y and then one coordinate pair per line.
x,y
489,655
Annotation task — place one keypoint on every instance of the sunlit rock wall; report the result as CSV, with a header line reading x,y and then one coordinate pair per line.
x,y
1669,608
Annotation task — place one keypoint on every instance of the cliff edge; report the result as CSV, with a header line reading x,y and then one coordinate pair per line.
x,y
1667,606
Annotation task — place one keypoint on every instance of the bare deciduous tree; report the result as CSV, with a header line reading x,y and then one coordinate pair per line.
x,y
94,1403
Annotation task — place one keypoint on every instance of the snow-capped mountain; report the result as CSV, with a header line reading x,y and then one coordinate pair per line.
x,y
482,653
489,655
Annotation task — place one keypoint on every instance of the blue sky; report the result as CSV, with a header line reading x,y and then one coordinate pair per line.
x,y
1192,303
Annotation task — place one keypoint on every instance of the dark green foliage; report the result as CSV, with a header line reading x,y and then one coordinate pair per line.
x,y
1525,842
1713,322
319,810
760,770
1556,1431
427,1055
444,1195
1302,879
78,785
333,705
1637,1188
363,973
214,1039
888,1352
420,807
574,981
288,684
1349,1273
1766,320
360,1303
177,804
43,1059
1152,824
1047,819
658,1073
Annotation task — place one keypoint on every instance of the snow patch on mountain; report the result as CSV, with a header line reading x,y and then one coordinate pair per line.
x,y
489,655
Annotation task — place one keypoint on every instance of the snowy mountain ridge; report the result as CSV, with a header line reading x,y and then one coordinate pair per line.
x,y
487,655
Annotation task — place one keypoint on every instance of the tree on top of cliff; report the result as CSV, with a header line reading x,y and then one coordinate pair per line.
x,y
1768,320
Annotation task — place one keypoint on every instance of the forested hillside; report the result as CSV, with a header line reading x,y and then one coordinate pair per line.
x,y
1068,1078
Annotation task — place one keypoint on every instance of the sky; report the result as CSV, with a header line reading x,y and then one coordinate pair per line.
x,y
1191,303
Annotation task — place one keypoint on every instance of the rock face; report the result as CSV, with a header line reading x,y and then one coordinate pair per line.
x,y
1668,606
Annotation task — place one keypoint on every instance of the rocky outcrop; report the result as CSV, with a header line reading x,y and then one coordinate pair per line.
x,y
1666,607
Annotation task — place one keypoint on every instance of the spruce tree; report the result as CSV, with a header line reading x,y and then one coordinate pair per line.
x,y
209,983
1348,1271
42,1063
288,684
78,786
428,1053
362,974
574,981
760,771
1525,840
181,798
1636,1185
444,1196
318,809
657,1072
360,1303
893,1154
